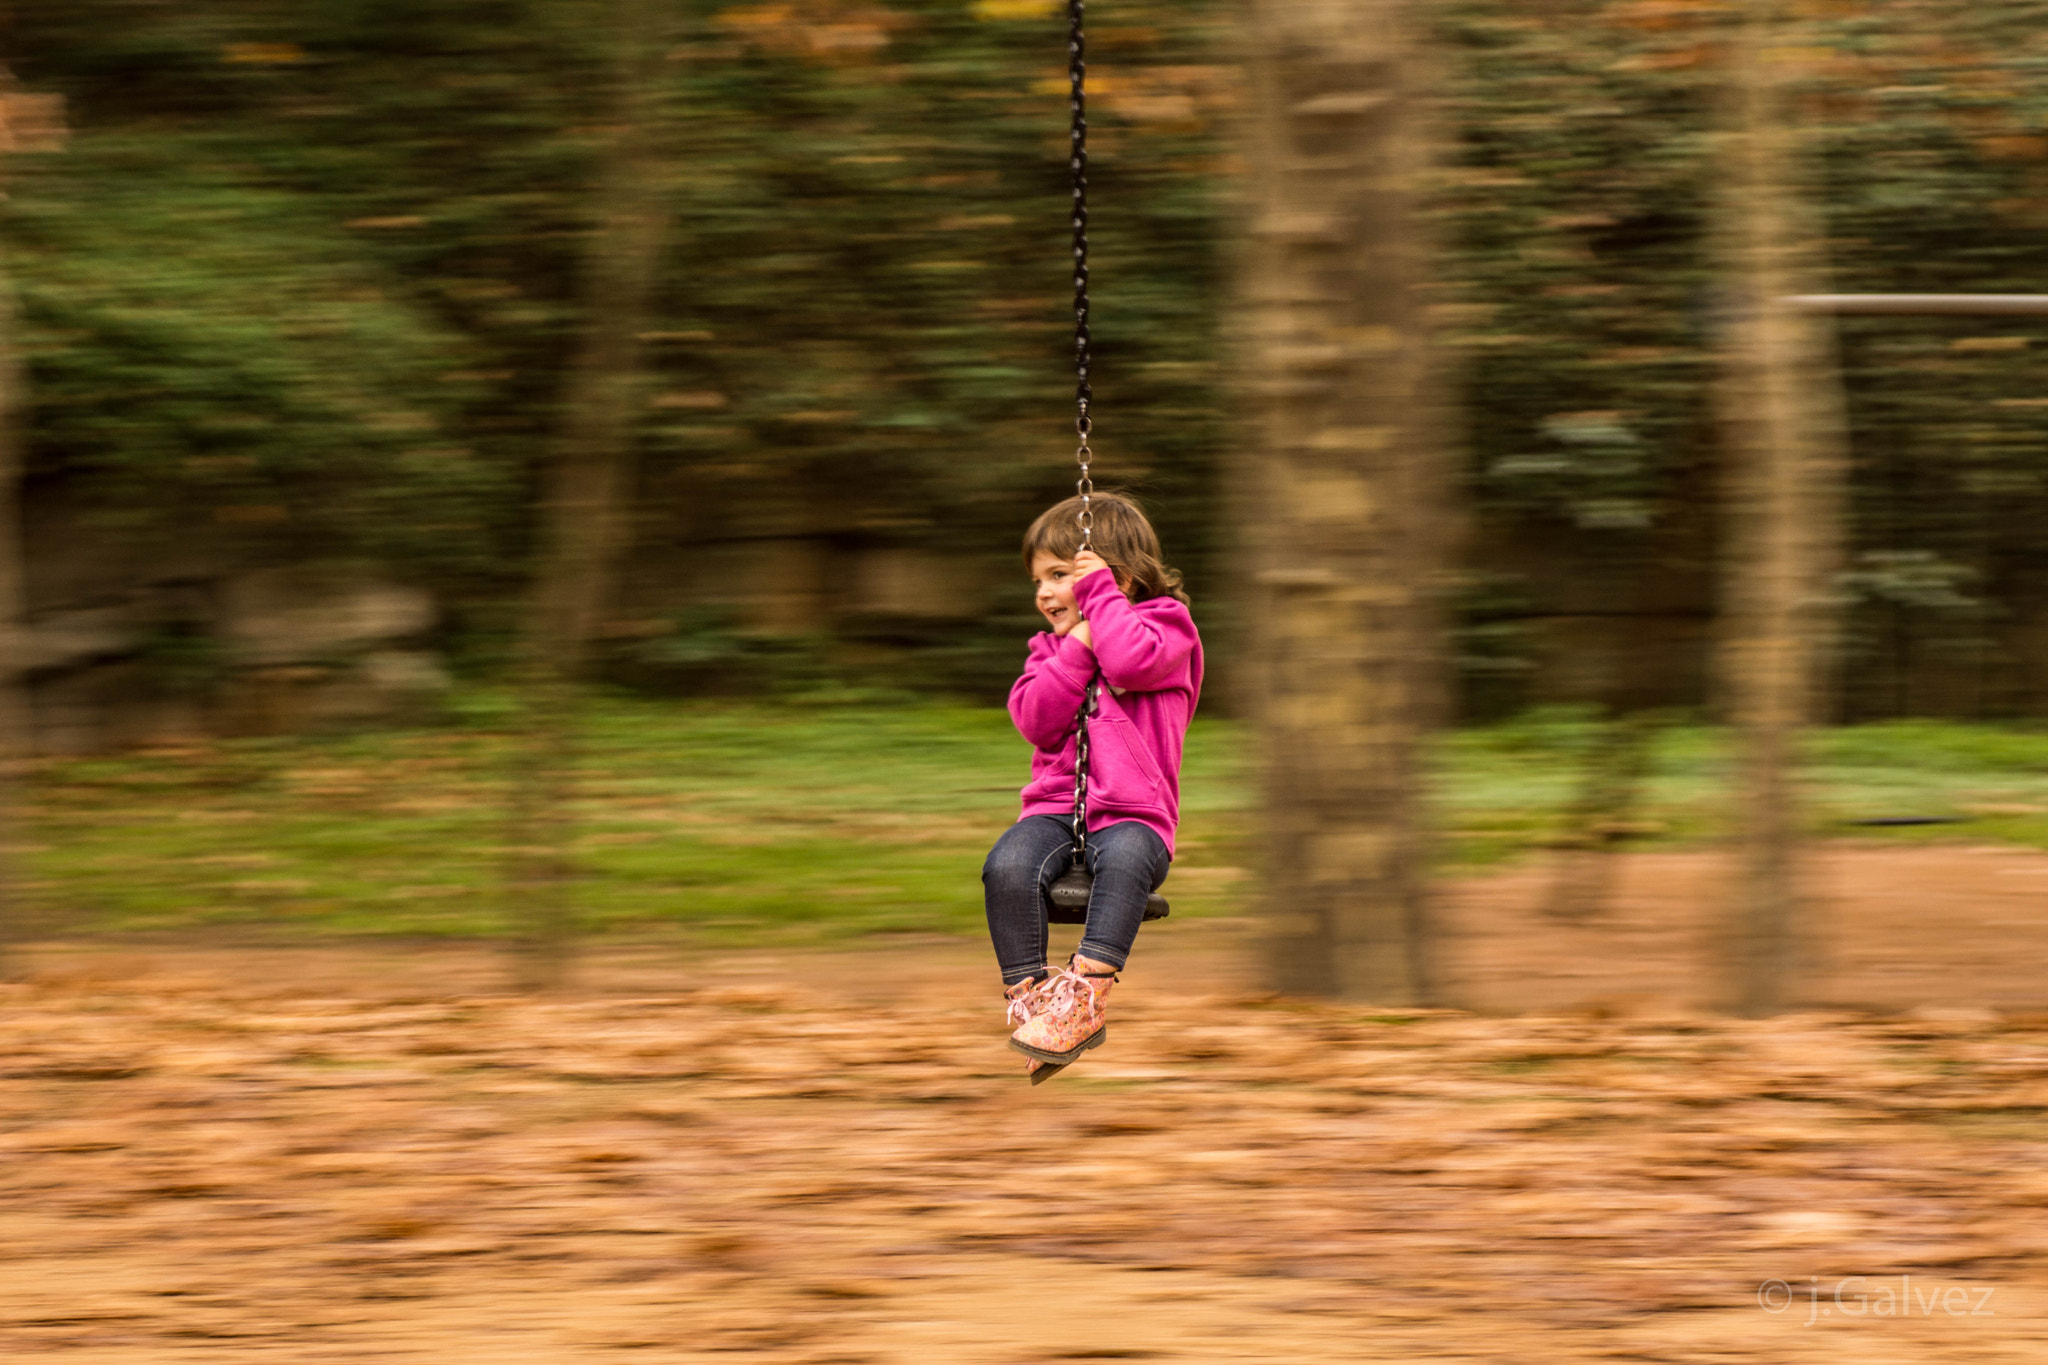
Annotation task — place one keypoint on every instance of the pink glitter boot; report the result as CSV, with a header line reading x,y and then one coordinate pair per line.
x,y
1070,1015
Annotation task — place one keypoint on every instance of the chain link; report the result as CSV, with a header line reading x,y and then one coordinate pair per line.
x,y
1084,425
1080,780
1081,775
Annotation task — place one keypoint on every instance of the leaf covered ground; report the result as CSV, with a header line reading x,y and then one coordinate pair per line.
x,y
369,1154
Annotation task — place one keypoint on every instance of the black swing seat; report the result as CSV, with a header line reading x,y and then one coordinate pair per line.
x,y
1069,900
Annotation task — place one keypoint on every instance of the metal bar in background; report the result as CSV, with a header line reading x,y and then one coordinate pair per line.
x,y
1945,305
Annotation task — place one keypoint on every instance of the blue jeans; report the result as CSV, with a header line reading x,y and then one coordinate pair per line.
x,y
1127,860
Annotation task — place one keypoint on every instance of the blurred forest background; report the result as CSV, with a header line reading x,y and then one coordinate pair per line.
x,y
304,292
299,303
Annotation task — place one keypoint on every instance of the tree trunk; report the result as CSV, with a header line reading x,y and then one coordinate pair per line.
x,y
1609,796
584,516
1343,491
1787,449
15,739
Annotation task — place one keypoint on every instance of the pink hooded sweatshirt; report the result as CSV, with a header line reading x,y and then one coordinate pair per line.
x,y
1151,662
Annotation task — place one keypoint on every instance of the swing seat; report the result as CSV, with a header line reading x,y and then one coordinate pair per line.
x,y
1069,900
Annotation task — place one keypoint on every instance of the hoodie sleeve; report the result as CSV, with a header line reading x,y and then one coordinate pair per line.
x,y
1045,700
1141,650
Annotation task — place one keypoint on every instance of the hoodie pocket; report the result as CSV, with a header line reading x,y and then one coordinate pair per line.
x,y
1138,765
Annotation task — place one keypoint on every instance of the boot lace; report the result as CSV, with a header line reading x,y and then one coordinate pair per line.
x,y
1067,991
1025,999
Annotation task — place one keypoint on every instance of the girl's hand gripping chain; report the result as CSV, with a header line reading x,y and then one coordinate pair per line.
x,y
1086,562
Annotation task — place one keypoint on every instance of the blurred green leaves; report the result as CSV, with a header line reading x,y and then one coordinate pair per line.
x,y
315,269
215,360
307,283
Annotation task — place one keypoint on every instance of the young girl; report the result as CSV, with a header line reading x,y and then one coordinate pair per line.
x,y
1118,618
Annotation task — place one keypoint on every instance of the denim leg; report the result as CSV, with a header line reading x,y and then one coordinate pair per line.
x,y
1129,862
1025,862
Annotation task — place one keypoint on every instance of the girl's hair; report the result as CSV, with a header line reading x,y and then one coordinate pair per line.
x,y
1124,539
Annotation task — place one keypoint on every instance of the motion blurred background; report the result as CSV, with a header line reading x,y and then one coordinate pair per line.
x,y
546,475
316,303
300,301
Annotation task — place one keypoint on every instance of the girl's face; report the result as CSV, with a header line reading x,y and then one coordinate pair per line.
x,y
1054,579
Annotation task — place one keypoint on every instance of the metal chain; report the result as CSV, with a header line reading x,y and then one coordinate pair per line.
x,y
1084,425
1081,776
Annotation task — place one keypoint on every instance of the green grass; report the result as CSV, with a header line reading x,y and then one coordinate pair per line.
x,y
1501,791
787,822
730,820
